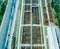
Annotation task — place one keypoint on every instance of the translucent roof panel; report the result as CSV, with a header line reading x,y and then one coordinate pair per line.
x,y
26,35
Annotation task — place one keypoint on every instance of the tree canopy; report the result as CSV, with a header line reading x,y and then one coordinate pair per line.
x,y
2,9
55,4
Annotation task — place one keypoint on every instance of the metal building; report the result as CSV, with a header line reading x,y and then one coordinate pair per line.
x,y
29,24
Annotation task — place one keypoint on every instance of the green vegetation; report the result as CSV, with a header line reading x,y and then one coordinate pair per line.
x,y
56,6
2,9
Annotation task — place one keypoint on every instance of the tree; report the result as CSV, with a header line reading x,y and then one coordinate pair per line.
x,y
56,6
2,9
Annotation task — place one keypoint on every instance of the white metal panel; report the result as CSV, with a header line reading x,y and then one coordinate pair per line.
x,y
52,39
